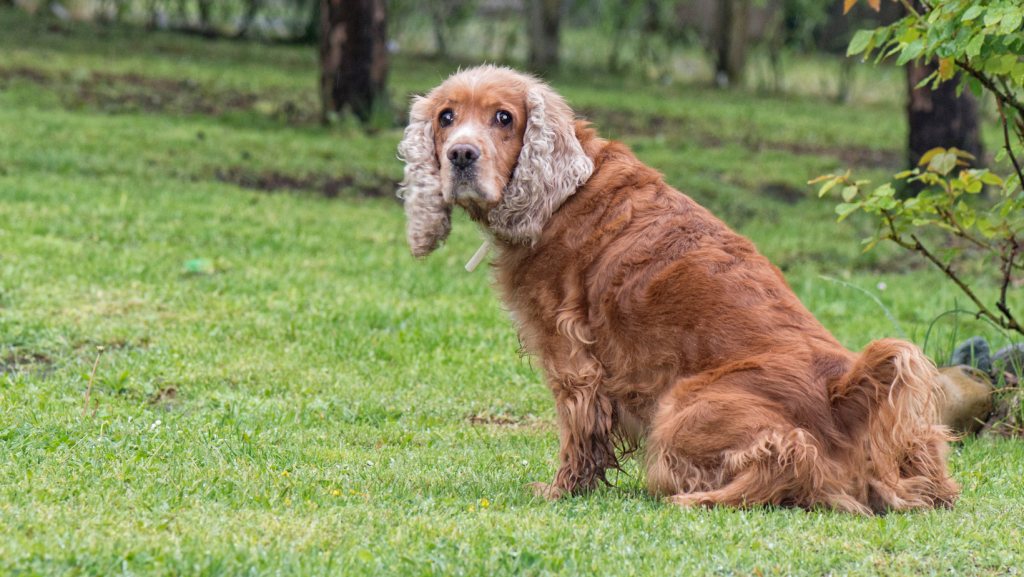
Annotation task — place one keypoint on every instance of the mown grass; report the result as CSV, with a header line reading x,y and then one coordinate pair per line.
x,y
314,400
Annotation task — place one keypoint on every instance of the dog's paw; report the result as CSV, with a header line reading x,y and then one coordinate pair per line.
x,y
546,491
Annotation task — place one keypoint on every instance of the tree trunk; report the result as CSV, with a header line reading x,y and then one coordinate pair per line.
x,y
731,37
544,33
353,57
205,8
938,117
252,7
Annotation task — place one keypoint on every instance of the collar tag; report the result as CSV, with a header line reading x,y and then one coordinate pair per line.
x,y
479,256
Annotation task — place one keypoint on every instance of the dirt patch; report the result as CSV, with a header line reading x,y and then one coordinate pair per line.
x,y
491,420
330,186
787,193
166,399
624,123
133,93
508,421
26,362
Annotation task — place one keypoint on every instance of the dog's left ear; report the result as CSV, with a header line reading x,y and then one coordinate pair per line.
x,y
428,215
552,165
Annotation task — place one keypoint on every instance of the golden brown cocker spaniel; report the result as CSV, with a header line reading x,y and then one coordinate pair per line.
x,y
657,325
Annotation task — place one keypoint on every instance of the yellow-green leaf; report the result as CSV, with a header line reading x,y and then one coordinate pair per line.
x,y
926,157
942,163
991,178
827,187
946,68
849,192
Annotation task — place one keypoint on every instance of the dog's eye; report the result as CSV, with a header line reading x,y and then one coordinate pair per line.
x,y
446,118
503,117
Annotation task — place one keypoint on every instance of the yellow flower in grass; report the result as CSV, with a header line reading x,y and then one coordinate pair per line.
x,y
484,502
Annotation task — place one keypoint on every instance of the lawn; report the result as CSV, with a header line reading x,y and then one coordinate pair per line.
x,y
282,389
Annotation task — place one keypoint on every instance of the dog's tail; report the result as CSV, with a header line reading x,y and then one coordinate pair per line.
x,y
889,402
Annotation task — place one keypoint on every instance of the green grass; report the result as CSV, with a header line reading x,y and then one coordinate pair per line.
x,y
323,403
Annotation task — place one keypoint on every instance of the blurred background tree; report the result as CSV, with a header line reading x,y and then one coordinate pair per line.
x,y
736,44
353,57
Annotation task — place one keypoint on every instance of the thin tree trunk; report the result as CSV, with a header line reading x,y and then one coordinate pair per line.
x,y
353,57
252,7
939,118
204,7
733,16
437,19
545,16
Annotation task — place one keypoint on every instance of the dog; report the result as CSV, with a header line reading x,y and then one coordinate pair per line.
x,y
658,327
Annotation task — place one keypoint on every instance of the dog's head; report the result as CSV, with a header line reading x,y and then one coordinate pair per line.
x,y
498,143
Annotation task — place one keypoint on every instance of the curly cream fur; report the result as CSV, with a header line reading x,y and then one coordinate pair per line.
x,y
428,214
552,165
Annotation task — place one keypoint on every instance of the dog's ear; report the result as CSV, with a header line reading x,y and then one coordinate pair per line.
x,y
551,166
428,216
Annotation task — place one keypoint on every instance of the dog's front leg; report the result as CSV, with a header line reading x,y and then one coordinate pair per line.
x,y
585,421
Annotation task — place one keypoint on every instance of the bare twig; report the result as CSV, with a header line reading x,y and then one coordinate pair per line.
x,y
1007,270
1006,139
1007,322
99,351
988,84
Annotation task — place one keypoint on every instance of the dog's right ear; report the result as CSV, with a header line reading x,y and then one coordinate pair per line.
x,y
428,216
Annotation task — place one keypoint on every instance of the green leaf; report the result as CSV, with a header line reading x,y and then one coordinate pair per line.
x,y
912,51
927,156
971,13
974,187
827,187
992,17
849,192
975,86
844,209
860,42
974,46
1011,22
943,162
991,178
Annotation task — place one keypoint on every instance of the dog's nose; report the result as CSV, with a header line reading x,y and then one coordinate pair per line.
x,y
463,155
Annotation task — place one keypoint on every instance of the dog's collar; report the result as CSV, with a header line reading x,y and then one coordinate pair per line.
x,y
479,255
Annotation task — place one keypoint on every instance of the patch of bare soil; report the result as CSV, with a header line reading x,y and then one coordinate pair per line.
x,y
328,185
166,399
505,420
623,123
26,362
786,193
132,93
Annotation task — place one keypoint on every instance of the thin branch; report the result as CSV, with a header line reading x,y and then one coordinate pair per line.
x,y
1006,139
962,232
1007,322
1007,270
988,84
